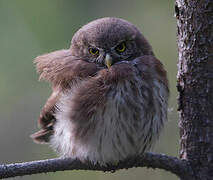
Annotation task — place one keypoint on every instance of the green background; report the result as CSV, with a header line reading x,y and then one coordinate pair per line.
x,y
29,28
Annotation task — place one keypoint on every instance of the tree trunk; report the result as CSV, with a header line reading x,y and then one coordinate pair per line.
x,y
195,84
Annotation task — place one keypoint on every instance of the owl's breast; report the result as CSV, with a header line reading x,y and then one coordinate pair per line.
x,y
109,122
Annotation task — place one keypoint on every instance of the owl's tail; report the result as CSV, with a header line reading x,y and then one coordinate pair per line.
x,y
43,136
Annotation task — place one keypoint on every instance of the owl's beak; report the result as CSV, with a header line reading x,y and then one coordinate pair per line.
x,y
108,61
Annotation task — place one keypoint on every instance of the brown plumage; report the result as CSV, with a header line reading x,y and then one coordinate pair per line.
x,y
109,97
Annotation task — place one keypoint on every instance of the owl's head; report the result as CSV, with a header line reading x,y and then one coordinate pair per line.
x,y
108,41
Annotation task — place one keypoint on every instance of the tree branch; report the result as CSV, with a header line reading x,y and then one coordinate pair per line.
x,y
150,160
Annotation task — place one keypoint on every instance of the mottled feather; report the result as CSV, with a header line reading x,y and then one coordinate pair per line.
x,y
97,113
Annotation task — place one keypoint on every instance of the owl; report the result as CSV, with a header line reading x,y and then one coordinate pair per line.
x,y
109,94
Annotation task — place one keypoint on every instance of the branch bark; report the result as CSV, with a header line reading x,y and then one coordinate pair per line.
x,y
150,160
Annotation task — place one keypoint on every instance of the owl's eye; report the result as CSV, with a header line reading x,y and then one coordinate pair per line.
x,y
93,51
121,47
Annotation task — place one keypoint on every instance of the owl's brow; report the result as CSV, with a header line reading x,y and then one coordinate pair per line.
x,y
126,40
93,46
119,42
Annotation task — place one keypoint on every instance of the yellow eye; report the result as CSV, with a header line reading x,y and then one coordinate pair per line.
x,y
93,51
121,47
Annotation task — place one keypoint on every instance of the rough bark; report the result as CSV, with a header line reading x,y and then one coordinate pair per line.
x,y
195,84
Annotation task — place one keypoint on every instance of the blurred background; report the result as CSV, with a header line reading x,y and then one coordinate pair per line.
x,y
31,28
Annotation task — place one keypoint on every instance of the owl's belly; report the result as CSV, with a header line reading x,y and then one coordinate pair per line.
x,y
122,127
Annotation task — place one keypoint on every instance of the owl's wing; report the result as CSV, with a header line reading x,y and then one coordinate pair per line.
x,y
59,68
148,66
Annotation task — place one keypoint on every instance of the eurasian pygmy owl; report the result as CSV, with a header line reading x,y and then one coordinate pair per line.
x,y
110,94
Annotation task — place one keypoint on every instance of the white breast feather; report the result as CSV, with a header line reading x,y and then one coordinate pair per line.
x,y
109,142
